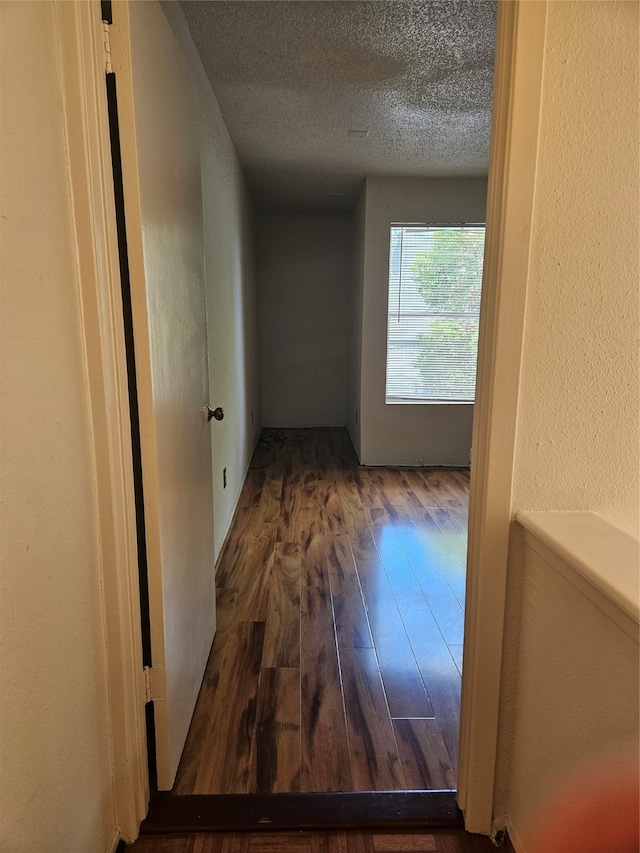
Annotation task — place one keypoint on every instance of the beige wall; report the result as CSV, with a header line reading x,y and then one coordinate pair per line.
x,y
305,277
577,439
55,768
430,434
578,443
232,303
578,665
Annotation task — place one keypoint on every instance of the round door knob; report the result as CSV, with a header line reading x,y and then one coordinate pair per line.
x,y
218,413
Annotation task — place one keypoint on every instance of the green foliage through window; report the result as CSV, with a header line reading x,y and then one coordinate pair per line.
x,y
435,281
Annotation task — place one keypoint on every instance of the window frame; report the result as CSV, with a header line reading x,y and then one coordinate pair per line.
x,y
420,401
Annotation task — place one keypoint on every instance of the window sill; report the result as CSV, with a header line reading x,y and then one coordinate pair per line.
x,y
429,402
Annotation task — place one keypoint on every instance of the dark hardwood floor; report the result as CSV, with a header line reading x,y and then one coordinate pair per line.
x,y
346,841
336,663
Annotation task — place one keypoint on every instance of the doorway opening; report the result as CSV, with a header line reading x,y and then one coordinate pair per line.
x,y
382,657
338,657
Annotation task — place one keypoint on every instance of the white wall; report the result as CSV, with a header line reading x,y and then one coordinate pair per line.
x,y
578,444
232,304
577,441
305,265
55,768
427,434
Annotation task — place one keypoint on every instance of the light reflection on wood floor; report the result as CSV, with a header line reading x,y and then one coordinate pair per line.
x,y
336,664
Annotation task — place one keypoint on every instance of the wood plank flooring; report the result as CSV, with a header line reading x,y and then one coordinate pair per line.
x,y
337,661
346,841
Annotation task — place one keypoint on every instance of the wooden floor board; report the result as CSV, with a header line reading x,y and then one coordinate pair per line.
x,y
313,552
335,518
404,843
315,495
252,575
393,557
271,498
421,489
401,517
363,544
252,489
426,570
234,548
437,667
383,488
441,483
456,654
454,532
282,632
401,677
350,616
338,653
288,522
325,759
375,761
336,841
451,565
449,616
221,749
349,488
424,756
275,753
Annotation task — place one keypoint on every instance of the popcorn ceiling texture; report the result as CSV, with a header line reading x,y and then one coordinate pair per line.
x,y
578,442
292,78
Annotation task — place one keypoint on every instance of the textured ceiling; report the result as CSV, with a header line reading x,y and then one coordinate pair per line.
x,y
294,77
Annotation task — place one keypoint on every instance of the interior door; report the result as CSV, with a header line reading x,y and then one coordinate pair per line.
x,y
159,140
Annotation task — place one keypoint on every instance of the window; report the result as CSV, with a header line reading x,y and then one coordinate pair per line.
x,y
435,279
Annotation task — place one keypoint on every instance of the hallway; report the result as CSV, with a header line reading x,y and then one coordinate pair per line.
x,y
336,663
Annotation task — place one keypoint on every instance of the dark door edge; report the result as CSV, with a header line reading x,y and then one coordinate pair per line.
x,y
278,812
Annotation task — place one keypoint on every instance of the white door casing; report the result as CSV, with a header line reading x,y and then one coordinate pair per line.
x,y
517,99
80,38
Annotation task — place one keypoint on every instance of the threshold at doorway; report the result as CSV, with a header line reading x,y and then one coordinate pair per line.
x,y
342,810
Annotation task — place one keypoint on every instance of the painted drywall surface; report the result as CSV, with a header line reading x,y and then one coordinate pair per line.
x,y
577,442
354,419
578,445
173,393
305,269
232,303
577,692
55,773
430,434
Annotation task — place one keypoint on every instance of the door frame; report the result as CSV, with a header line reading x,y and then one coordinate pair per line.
x,y
517,101
82,54
520,43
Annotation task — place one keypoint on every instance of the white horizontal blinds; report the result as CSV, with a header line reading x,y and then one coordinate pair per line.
x,y
435,279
